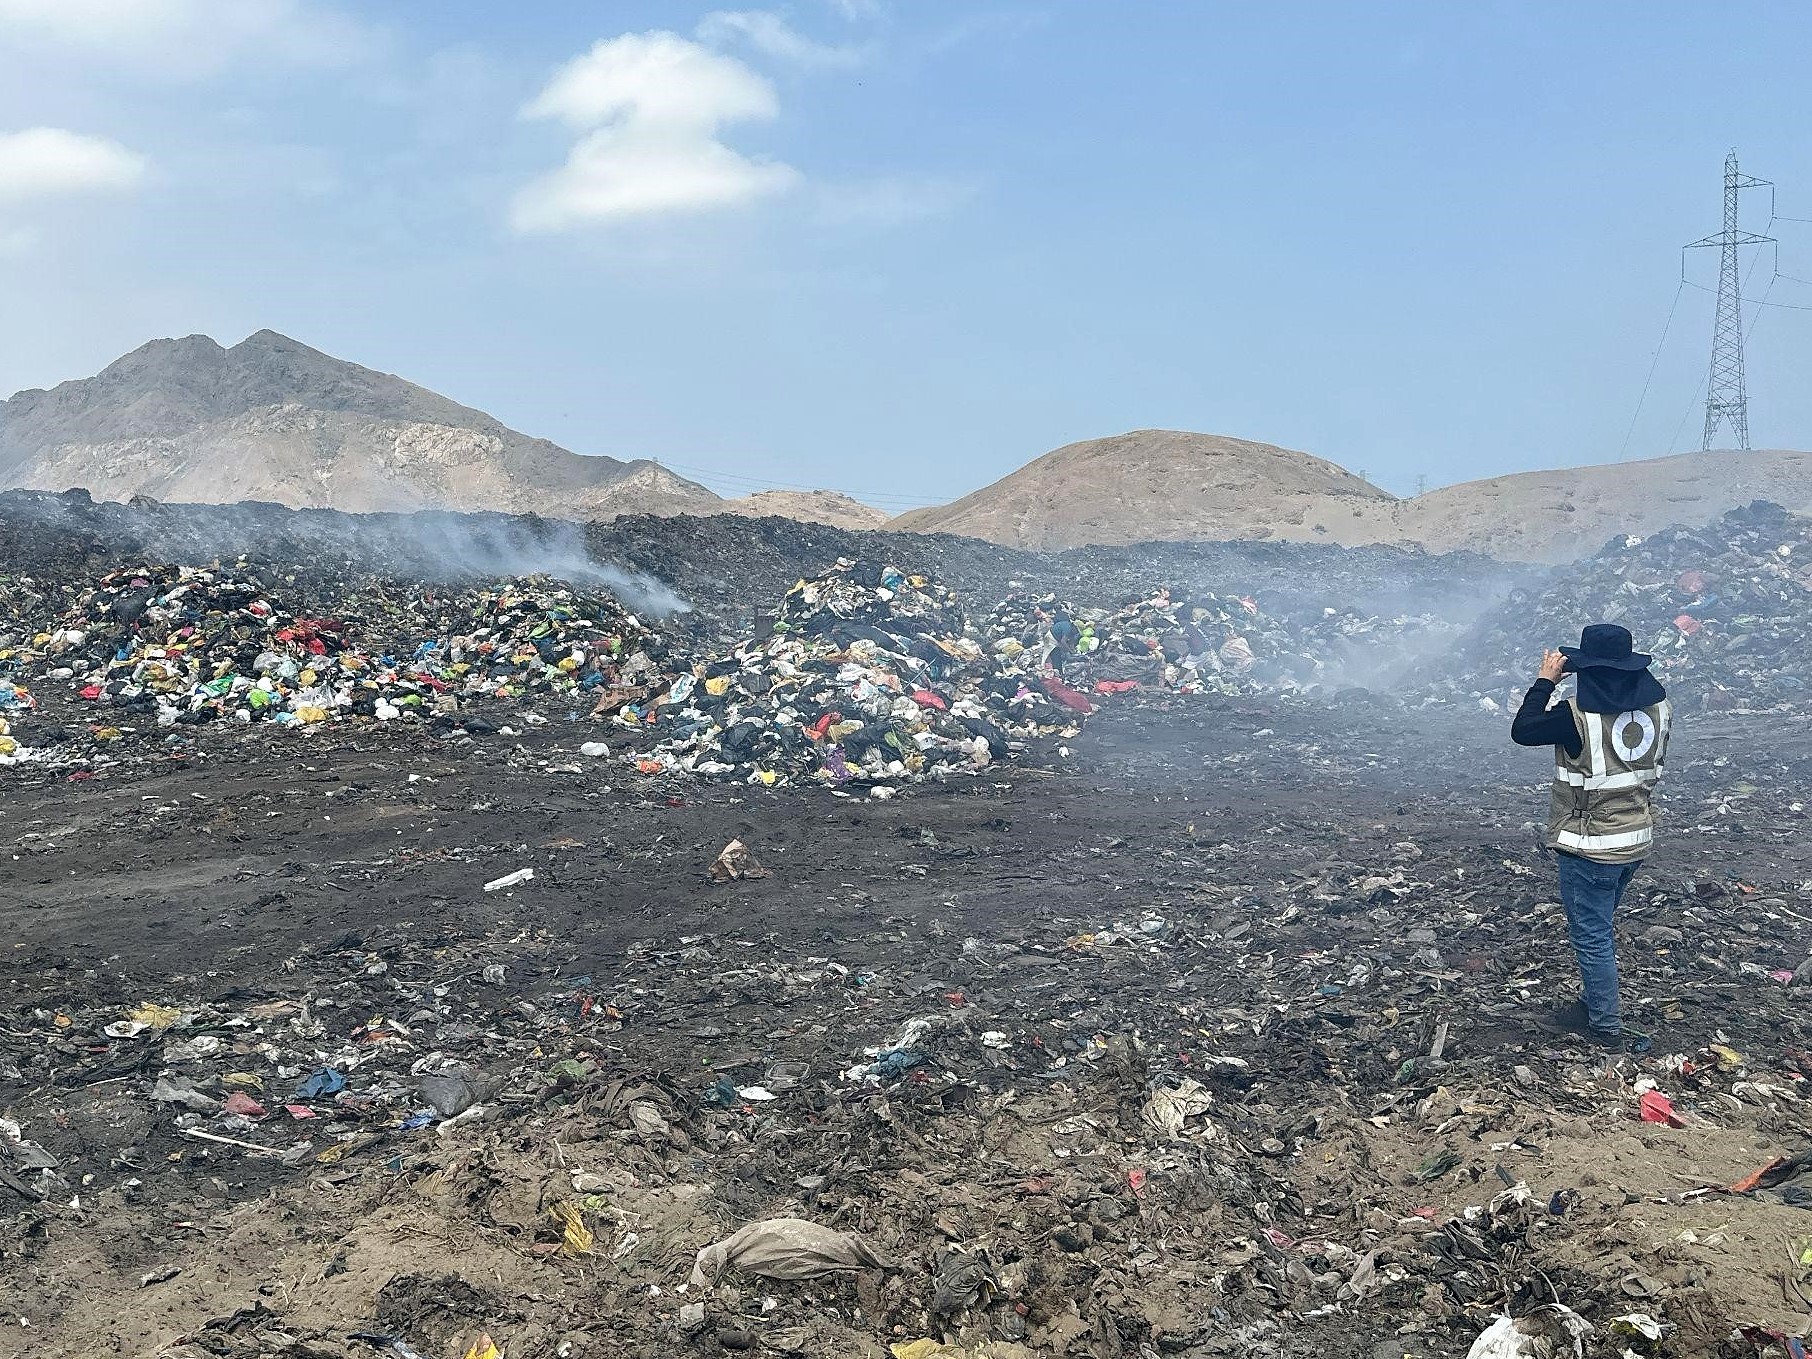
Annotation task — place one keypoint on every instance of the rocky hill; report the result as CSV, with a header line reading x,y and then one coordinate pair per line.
x,y
272,419
1165,484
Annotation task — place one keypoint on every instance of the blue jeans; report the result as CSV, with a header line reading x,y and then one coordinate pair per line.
x,y
1591,892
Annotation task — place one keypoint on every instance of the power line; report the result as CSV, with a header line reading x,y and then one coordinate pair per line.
x,y
1653,364
1756,302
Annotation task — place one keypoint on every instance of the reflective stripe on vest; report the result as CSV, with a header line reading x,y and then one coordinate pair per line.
x,y
1627,840
1635,778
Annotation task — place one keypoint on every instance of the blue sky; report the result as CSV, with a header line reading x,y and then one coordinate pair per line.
x,y
899,247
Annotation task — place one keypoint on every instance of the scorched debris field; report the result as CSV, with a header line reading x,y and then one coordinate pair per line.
x,y
381,978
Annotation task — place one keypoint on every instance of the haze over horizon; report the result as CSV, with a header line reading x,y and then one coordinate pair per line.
x,y
899,251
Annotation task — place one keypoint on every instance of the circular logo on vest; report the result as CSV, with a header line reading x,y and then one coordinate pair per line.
x,y
1633,733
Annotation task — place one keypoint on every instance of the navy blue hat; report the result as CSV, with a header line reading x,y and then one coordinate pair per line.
x,y
1605,646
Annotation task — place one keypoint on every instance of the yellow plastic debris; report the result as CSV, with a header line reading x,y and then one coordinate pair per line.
x,y
307,712
155,1016
926,1349
1729,1059
484,1348
579,1239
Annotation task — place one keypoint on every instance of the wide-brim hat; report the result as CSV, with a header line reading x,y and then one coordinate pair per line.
x,y
1605,646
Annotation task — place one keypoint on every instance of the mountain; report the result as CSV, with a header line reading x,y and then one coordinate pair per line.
x,y
1166,484
1157,483
272,419
810,507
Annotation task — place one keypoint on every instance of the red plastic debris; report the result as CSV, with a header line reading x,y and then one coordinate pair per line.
x,y
1067,696
1755,1178
1688,624
1656,1107
240,1103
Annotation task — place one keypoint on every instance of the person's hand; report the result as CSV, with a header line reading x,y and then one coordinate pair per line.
x,y
1553,666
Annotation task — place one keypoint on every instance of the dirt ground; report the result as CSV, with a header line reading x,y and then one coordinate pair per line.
x,y
1337,922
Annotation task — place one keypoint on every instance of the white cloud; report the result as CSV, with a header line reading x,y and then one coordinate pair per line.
x,y
49,162
187,38
654,78
768,33
651,106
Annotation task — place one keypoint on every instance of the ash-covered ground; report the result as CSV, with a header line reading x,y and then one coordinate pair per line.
x,y
1214,1021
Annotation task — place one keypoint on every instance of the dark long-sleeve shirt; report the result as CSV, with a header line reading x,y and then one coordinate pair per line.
x,y
1538,725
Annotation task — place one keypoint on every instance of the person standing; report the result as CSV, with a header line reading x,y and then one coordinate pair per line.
x,y
1610,744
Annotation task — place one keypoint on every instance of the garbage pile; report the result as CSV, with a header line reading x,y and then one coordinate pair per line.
x,y
869,676
15,698
1726,611
1203,643
534,636
188,645
1156,641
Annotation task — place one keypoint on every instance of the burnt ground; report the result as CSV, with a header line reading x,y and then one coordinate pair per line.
x,y
1336,921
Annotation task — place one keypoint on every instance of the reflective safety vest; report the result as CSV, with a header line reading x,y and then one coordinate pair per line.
x,y
1601,807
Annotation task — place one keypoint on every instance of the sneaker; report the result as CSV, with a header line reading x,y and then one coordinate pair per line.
x,y
1571,1018
1624,1040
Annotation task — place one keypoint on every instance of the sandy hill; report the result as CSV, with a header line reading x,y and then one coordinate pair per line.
x,y
272,419
1558,516
1157,483
1165,484
810,507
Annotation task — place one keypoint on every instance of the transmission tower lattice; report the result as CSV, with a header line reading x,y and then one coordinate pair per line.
x,y
1726,397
